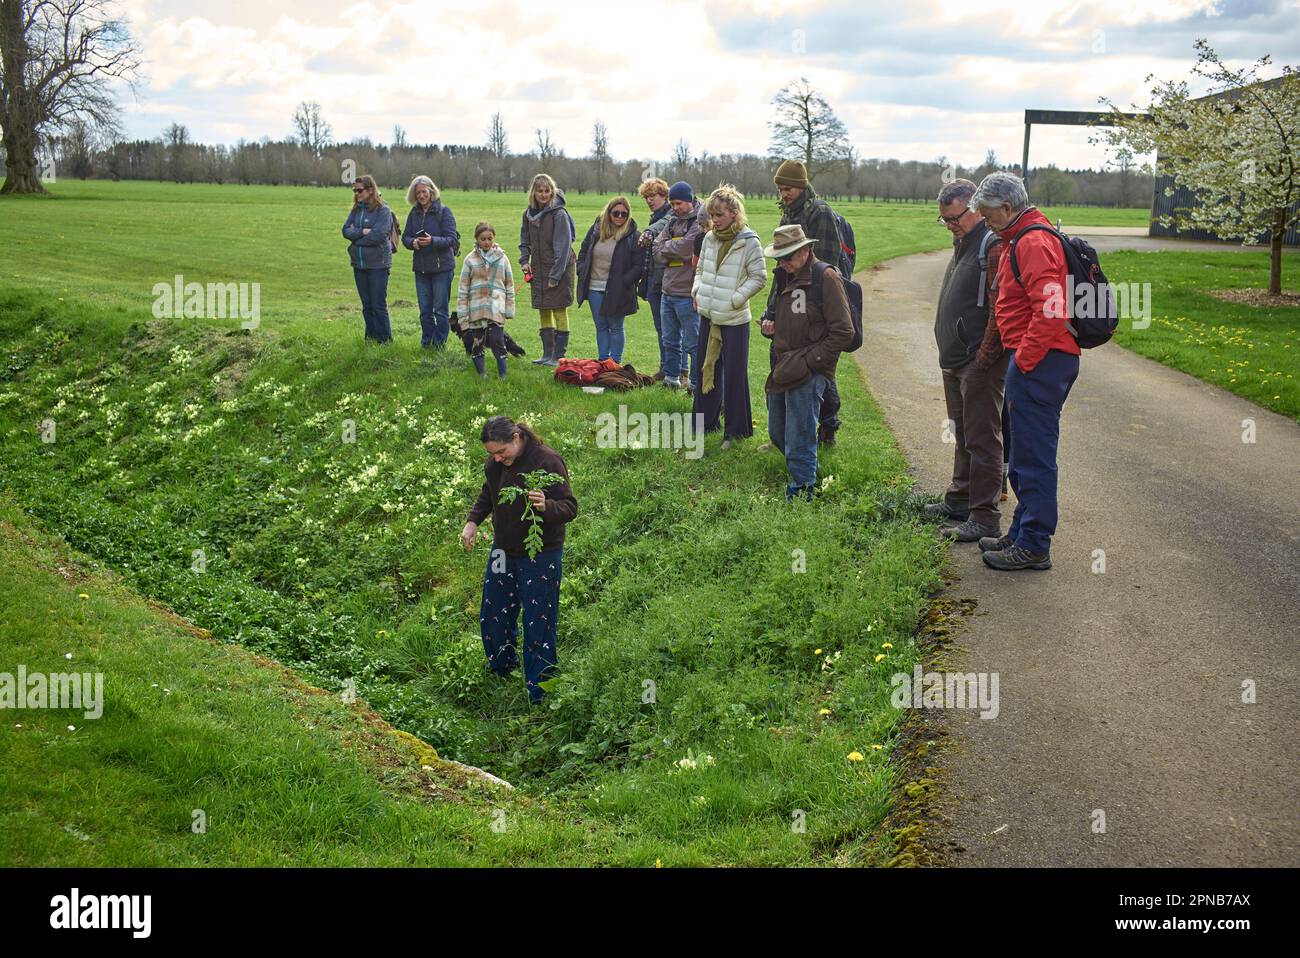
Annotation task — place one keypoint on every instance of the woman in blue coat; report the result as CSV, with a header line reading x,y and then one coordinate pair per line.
x,y
369,229
431,236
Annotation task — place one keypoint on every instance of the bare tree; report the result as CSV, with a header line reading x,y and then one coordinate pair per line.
x,y
600,152
57,58
75,148
806,128
681,158
546,150
498,145
311,128
177,138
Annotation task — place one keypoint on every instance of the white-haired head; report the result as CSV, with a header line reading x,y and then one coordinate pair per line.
x,y
416,184
999,188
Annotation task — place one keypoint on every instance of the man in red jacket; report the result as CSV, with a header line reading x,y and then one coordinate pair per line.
x,y
1031,319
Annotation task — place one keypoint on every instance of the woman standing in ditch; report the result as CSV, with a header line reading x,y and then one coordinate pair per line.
x,y
515,578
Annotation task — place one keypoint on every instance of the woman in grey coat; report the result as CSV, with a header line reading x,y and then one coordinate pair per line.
x,y
546,235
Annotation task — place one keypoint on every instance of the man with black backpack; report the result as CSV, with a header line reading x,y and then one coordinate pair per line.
x,y
1034,284
974,368
800,205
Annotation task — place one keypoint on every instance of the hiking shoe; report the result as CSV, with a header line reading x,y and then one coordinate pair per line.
x,y
996,543
968,531
1014,558
941,510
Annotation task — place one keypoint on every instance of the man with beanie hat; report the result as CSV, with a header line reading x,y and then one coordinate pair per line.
x,y
675,247
801,206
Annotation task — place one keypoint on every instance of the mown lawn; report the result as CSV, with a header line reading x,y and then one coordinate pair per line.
x,y
1252,351
208,466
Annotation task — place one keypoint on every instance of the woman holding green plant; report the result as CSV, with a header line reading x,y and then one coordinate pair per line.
x,y
526,491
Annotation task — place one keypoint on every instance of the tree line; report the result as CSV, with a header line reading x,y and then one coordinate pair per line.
x,y
303,161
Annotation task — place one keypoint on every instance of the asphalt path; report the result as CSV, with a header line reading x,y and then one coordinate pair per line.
x,y
1122,737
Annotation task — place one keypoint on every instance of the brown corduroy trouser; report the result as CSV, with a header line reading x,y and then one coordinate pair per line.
x,y
974,399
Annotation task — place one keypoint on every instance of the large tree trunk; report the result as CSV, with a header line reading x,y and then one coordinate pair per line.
x,y
20,158
1275,254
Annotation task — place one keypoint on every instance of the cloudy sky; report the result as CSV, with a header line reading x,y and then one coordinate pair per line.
x,y
913,80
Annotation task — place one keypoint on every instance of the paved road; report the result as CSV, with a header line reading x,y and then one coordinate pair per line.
x,y
1120,691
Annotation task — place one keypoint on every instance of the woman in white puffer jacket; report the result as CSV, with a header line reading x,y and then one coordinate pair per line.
x,y
730,273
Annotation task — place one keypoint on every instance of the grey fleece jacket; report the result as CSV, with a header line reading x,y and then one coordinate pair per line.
x,y
562,238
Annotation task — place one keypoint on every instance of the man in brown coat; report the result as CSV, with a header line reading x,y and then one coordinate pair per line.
x,y
812,326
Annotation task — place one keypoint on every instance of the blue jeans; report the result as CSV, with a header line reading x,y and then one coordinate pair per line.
x,y
532,585
681,336
372,285
792,427
433,291
1035,400
609,329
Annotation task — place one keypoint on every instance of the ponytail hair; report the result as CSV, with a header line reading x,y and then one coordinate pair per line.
x,y
502,429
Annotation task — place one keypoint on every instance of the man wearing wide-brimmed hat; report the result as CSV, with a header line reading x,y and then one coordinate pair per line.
x,y
809,330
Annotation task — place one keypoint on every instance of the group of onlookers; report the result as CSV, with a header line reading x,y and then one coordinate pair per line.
x,y
1008,362
697,263
1008,359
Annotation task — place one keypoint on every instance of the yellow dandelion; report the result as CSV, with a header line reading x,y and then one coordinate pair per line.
x,y
855,756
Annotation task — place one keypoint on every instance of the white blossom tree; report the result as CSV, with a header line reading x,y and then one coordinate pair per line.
x,y
1237,151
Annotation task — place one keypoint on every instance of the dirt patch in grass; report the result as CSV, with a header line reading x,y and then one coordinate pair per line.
x,y
1256,297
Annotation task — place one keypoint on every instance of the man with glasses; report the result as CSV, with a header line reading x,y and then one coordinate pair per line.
x,y
974,368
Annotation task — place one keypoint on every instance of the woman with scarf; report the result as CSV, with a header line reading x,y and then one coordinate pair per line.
x,y
546,255
731,272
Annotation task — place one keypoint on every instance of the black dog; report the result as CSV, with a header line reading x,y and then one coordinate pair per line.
x,y
467,338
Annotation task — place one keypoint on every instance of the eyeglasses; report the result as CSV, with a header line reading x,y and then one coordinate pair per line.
x,y
953,220
618,214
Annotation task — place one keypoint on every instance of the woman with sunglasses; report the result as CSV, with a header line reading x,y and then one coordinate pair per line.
x,y
609,267
371,230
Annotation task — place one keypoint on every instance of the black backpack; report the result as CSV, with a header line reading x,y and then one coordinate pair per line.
x,y
852,291
848,246
1091,304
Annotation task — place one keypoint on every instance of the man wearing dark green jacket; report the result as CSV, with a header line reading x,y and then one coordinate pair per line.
x,y
800,205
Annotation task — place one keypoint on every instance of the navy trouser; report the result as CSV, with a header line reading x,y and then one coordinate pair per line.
x,y
433,291
509,584
730,393
372,286
1035,400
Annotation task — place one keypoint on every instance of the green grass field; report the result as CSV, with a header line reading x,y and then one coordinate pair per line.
x,y
1252,351
184,440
